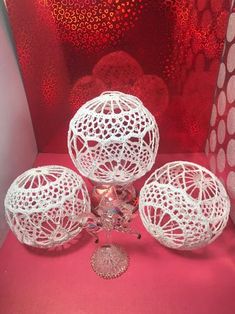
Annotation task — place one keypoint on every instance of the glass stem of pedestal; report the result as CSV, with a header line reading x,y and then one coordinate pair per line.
x,y
108,238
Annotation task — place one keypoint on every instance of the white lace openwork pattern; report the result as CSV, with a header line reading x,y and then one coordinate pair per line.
x,y
184,206
43,206
113,138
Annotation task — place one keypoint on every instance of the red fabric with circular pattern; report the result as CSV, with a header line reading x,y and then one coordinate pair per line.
x,y
165,51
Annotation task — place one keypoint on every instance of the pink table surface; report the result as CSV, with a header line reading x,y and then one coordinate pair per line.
x,y
158,280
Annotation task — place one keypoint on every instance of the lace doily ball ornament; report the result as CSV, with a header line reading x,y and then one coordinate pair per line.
x,y
113,139
44,206
184,206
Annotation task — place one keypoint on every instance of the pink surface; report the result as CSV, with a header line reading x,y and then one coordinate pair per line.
x,y
158,280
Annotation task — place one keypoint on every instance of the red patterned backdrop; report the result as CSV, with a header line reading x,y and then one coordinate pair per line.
x,y
166,52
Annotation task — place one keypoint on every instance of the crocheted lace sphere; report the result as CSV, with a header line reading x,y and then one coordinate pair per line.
x,y
43,206
184,206
113,138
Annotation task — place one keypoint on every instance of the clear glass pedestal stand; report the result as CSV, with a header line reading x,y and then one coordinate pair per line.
x,y
109,260
114,208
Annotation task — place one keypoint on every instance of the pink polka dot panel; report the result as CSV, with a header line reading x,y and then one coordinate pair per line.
x,y
231,59
230,121
221,103
221,160
220,144
213,140
231,89
221,76
231,28
221,132
213,115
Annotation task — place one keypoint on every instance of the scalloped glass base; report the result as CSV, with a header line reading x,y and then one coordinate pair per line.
x,y
109,261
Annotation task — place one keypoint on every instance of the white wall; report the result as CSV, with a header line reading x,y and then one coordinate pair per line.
x,y
17,142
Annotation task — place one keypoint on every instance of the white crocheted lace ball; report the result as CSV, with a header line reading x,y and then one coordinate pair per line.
x,y
184,206
43,206
113,138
